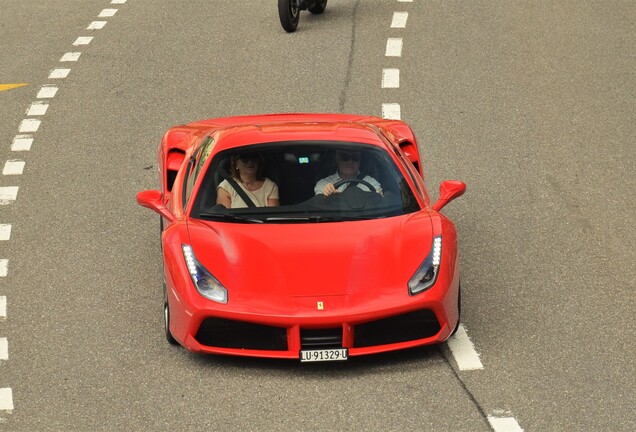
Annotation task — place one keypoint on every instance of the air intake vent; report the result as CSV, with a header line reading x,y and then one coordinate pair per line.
x,y
321,338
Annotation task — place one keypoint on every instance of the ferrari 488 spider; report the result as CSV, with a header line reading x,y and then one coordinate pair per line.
x,y
303,236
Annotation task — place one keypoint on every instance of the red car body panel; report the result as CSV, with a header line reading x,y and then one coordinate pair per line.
x,y
277,274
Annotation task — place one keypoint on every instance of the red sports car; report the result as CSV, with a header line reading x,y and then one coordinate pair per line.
x,y
304,236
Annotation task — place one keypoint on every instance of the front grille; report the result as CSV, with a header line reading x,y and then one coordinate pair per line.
x,y
223,333
400,328
321,338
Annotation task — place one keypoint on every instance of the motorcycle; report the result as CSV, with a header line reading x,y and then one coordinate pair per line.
x,y
289,11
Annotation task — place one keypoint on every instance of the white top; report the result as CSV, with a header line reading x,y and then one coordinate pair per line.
x,y
334,178
259,196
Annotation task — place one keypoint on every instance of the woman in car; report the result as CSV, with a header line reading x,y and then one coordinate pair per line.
x,y
247,171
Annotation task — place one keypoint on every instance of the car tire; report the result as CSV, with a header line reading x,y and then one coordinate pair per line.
x,y
289,14
166,317
459,309
161,232
319,7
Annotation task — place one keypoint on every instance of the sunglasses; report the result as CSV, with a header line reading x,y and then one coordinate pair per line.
x,y
247,158
346,157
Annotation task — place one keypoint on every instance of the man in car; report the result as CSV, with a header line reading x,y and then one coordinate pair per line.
x,y
348,163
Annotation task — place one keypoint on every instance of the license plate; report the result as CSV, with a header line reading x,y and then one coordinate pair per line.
x,y
334,354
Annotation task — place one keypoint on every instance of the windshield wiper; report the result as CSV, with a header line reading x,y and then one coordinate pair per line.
x,y
229,217
312,218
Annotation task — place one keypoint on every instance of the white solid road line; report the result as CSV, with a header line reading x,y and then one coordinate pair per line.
x,y
464,351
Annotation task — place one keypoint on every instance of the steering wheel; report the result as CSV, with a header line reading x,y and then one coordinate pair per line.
x,y
356,181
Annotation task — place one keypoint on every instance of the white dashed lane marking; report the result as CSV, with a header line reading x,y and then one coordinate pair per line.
x,y
83,40
29,125
391,111
47,92
504,424
4,349
6,399
37,109
96,25
13,167
106,13
22,143
390,78
8,194
399,19
70,57
5,232
393,47
59,73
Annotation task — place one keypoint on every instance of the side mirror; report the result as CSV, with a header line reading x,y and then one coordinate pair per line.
x,y
153,200
448,191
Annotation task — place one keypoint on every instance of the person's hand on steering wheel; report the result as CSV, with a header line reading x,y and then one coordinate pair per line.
x,y
331,188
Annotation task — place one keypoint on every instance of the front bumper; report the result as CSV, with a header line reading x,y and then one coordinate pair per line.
x,y
425,319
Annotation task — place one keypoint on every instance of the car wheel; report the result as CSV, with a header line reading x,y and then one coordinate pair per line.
x,y
161,232
318,7
459,309
166,317
289,13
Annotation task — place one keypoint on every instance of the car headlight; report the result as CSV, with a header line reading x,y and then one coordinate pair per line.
x,y
205,283
426,274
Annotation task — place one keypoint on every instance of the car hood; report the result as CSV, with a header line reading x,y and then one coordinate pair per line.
x,y
264,264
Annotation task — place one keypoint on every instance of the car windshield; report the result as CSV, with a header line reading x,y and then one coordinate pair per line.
x,y
299,182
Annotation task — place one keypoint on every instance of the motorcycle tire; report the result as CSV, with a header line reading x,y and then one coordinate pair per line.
x,y
318,7
289,13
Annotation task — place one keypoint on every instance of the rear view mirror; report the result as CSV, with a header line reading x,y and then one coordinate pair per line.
x,y
448,191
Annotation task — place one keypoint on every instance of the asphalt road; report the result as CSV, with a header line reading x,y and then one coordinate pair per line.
x,y
532,104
